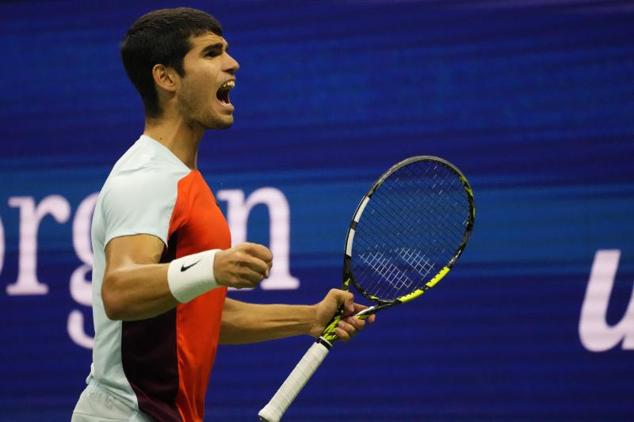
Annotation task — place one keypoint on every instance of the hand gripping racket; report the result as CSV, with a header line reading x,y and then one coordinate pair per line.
x,y
406,234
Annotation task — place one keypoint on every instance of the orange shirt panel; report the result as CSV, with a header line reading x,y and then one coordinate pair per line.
x,y
197,225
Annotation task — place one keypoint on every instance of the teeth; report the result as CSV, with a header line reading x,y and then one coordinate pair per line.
x,y
228,85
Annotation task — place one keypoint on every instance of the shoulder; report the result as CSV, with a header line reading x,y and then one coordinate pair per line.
x,y
140,201
143,173
141,193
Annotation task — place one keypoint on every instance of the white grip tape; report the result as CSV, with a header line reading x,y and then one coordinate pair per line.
x,y
294,383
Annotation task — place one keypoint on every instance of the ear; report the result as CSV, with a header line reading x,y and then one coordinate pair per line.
x,y
165,78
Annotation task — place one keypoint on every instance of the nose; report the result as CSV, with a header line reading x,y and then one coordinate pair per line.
x,y
232,65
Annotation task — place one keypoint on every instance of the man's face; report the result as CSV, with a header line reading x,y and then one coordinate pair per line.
x,y
203,96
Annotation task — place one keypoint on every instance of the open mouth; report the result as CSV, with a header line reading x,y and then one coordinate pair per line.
x,y
223,91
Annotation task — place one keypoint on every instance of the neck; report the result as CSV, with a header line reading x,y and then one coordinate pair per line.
x,y
177,135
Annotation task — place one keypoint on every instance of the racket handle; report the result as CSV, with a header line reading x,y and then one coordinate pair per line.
x,y
294,383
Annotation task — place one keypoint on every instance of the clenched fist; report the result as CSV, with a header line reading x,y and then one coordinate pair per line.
x,y
243,266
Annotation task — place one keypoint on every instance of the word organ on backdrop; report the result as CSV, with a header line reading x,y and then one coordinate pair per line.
x,y
58,207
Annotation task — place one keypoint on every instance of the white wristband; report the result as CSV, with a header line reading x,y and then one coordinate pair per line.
x,y
192,275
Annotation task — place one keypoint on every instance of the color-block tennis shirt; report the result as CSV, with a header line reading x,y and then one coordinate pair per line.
x,y
159,365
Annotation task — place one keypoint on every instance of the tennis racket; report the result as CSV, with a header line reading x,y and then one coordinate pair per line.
x,y
406,234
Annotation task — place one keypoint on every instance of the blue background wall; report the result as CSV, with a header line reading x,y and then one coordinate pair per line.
x,y
533,100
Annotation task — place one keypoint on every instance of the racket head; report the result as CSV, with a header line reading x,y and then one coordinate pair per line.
x,y
408,230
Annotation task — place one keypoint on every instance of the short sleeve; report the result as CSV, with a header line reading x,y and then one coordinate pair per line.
x,y
139,203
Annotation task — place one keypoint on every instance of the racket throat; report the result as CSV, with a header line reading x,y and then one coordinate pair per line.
x,y
364,314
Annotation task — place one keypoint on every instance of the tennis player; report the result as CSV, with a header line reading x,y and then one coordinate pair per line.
x,y
162,249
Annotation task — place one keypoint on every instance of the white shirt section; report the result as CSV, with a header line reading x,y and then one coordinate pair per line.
x,y
138,197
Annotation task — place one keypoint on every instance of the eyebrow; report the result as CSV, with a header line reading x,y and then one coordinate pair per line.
x,y
216,46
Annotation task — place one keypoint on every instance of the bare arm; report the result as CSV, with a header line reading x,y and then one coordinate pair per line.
x,y
251,323
135,283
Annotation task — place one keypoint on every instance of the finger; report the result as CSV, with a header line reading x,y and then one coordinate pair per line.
x,y
250,278
258,251
348,306
345,299
359,307
357,323
342,334
347,327
255,264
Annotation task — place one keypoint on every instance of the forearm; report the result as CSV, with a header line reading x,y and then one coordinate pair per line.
x,y
251,323
136,286
136,292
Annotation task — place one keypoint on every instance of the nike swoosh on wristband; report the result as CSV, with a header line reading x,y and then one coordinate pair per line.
x,y
187,267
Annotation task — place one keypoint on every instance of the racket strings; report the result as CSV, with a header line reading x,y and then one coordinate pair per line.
x,y
389,272
410,229
417,260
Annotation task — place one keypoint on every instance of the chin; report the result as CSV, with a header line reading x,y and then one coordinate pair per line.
x,y
224,122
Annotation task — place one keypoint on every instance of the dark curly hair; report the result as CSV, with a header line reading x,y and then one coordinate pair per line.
x,y
161,37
